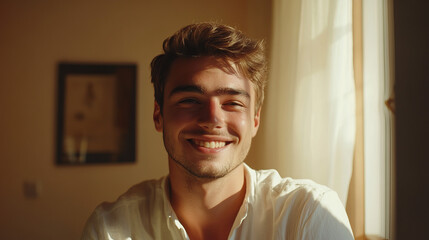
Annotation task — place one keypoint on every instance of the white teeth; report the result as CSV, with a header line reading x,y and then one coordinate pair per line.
x,y
211,144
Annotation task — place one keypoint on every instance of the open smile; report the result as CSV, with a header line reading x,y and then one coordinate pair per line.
x,y
209,144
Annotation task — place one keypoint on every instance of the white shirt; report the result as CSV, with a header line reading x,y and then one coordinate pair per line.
x,y
273,208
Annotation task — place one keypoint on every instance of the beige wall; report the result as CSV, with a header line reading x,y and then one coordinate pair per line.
x,y
35,35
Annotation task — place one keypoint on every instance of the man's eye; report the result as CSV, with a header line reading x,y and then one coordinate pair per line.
x,y
189,101
234,104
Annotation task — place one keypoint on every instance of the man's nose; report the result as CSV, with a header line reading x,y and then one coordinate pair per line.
x,y
211,115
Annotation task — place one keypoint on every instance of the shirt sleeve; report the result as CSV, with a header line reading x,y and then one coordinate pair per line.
x,y
92,229
328,220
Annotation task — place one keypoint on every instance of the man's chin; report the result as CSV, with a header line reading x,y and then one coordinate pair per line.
x,y
205,169
210,171
206,172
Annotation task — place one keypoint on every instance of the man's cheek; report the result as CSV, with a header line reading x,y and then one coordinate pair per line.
x,y
241,121
182,116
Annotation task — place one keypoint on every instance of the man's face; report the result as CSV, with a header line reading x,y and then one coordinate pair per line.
x,y
208,119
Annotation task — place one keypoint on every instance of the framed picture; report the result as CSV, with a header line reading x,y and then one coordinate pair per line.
x,y
96,113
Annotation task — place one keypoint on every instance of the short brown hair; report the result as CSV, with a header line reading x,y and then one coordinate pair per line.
x,y
212,39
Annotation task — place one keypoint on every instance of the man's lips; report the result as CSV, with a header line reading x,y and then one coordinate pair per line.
x,y
209,144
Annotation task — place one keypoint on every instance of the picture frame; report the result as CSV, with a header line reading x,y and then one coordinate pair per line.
x,y
96,117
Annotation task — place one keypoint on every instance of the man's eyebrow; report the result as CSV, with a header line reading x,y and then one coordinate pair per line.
x,y
232,91
187,88
201,90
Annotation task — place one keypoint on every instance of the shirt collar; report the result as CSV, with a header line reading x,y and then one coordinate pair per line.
x,y
249,175
248,198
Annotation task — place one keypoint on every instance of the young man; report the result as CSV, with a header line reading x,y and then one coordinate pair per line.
x,y
209,89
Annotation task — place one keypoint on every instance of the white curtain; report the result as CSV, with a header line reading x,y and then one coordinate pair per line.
x,y
377,118
310,104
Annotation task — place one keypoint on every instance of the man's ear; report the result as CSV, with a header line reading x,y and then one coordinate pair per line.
x,y
256,121
157,117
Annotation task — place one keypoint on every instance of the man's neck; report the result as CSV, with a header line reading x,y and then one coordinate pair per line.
x,y
207,208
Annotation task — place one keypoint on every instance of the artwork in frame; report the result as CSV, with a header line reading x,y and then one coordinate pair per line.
x,y
96,113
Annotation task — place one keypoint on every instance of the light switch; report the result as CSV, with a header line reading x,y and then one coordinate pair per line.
x,y
32,189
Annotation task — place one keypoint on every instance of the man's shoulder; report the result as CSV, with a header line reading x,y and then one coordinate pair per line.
x,y
132,213
270,183
139,194
299,206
